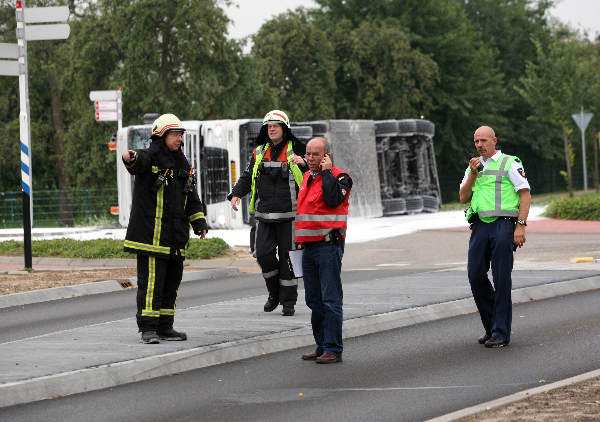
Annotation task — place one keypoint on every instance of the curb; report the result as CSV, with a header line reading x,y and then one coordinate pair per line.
x,y
64,292
503,401
135,370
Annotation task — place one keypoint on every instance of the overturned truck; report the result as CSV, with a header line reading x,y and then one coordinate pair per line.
x,y
392,163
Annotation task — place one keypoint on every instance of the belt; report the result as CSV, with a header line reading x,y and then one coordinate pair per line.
x,y
318,242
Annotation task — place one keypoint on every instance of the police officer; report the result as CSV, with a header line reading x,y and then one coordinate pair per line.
x,y
499,192
273,177
165,203
321,229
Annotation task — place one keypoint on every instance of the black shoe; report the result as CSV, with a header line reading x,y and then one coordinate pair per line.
x,y
495,342
271,304
172,335
484,338
288,311
150,337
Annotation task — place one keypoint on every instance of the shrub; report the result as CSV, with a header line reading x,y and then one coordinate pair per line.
x,y
581,207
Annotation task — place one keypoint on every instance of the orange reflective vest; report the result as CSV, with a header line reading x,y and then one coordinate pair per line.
x,y
314,218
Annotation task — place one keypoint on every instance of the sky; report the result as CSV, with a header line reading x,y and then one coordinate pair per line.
x,y
251,14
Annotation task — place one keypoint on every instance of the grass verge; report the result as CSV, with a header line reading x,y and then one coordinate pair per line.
x,y
105,248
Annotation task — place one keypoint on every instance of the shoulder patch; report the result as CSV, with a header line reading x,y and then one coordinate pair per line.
x,y
341,178
344,192
521,172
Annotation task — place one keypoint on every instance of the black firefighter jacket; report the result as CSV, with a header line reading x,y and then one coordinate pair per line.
x,y
273,191
161,213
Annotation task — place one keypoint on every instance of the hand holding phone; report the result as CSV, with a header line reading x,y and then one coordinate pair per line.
x,y
326,163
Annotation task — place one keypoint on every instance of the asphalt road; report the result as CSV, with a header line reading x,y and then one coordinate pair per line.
x,y
41,318
417,252
407,374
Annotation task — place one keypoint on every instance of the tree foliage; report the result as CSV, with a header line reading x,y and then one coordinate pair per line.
x,y
557,84
459,63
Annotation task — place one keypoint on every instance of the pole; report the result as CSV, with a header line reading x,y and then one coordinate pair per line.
x,y
595,175
583,154
119,109
25,134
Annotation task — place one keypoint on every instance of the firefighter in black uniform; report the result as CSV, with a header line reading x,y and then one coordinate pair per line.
x,y
165,203
273,176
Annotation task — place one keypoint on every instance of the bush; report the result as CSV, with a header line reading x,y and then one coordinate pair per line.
x,y
582,207
105,248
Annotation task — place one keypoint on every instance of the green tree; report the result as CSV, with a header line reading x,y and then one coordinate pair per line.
x,y
174,58
510,26
557,85
166,59
470,89
380,76
295,68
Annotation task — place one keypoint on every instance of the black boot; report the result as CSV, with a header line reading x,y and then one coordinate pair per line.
x,y
288,310
271,304
172,335
150,337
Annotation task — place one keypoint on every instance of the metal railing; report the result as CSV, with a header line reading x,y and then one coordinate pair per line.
x,y
54,208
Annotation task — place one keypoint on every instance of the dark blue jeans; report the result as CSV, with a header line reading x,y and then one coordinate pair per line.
x,y
492,243
322,265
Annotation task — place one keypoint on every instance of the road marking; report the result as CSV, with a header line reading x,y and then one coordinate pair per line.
x,y
451,263
398,264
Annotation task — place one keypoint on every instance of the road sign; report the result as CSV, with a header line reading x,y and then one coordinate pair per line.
x,y
105,105
107,116
104,95
582,120
9,51
26,32
57,31
9,68
46,14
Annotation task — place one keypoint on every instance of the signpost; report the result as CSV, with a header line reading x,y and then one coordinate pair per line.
x,y
57,31
105,105
108,106
582,120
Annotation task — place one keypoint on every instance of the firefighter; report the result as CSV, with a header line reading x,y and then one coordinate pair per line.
x,y
273,176
165,204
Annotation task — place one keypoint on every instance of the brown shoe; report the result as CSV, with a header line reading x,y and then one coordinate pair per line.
x,y
328,358
310,356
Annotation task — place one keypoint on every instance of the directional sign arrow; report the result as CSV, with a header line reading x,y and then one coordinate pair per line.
x,y
107,116
9,51
582,123
46,14
105,105
57,31
9,68
104,95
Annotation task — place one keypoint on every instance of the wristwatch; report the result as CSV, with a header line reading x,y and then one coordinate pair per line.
x,y
522,222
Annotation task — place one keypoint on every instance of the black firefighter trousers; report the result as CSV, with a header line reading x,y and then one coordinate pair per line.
x,y
273,243
158,282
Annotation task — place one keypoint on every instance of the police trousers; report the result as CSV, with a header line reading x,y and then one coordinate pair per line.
x,y
492,243
273,243
158,282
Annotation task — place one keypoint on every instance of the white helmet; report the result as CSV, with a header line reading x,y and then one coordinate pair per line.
x,y
276,116
166,123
